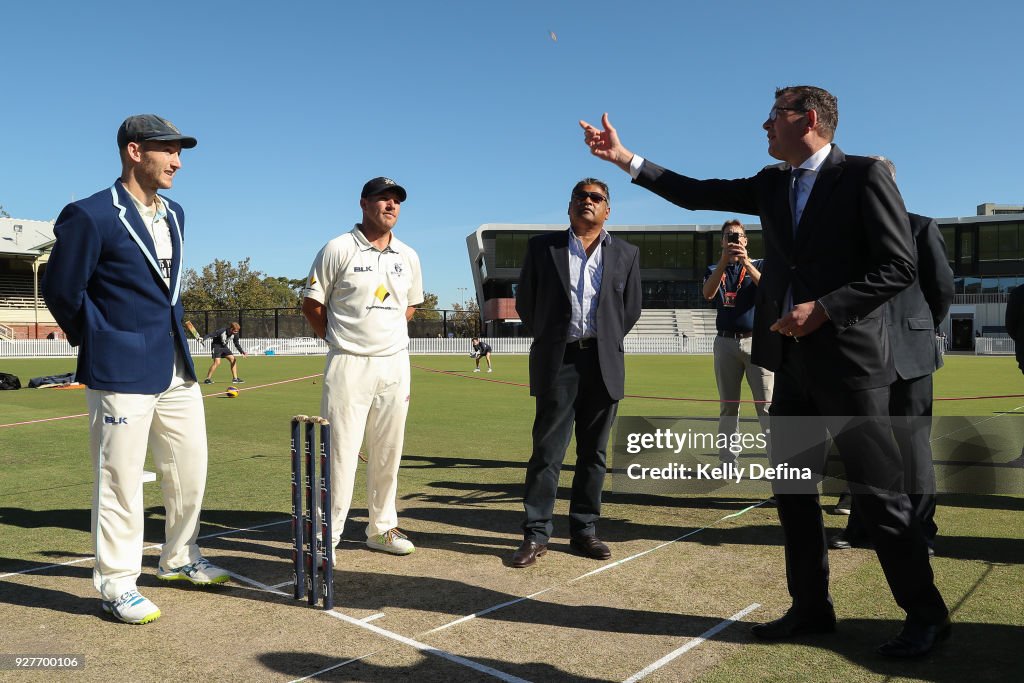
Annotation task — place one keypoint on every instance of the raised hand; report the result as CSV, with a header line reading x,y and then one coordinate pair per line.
x,y
605,144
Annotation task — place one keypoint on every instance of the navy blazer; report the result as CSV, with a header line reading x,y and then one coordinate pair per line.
x,y
544,304
914,313
852,251
104,287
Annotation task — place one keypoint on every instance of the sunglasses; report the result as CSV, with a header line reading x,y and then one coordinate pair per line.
x,y
595,197
774,113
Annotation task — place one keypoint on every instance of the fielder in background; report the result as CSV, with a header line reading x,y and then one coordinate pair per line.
x,y
481,350
732,285
359,297
219,349
113,284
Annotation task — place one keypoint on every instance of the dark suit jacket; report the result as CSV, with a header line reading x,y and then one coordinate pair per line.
x,y
852,251
914,313
1015,322
543,302
105,289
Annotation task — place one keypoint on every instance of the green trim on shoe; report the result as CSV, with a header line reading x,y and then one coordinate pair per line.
x,y
202,572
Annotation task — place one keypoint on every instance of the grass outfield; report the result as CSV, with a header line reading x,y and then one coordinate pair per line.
x,y
468,438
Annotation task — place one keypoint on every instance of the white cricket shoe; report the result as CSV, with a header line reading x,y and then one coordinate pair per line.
x,y
477,370
490,370
201,573
132,608
393,541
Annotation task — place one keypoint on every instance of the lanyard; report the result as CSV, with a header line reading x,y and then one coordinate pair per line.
x,y
739,282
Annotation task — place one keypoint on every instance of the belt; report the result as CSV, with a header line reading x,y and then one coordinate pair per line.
x,y
581,344
735,335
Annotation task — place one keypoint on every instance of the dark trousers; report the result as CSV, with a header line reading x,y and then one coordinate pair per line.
x,y
874,468
577,395
910,405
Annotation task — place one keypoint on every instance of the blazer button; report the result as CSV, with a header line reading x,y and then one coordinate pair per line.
x,y
171,334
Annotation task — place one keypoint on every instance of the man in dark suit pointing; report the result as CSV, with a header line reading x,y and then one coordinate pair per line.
x,y
579,293
837,247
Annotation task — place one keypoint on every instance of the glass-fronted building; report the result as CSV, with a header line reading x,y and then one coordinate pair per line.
x,y
986,254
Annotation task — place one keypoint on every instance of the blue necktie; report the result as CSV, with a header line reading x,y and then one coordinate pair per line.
x,y
794,196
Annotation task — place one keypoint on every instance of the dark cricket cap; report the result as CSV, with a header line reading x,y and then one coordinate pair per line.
x,y
143,127
382,184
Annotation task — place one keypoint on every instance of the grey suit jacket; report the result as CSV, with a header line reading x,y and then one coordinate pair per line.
x,y
542,299
914,313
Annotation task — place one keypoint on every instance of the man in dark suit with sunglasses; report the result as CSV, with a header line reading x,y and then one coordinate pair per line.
x,y
579,293
837,247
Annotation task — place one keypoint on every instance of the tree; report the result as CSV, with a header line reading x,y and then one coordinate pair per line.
x,y
225,286
3,212
428,309
465,321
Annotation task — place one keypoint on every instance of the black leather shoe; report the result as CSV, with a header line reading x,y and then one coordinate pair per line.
x,y
591,546
839,542
916,639
793,624
528,553
843,541
844,506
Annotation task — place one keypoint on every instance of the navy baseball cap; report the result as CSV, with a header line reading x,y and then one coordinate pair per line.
x,y
143,127
379,185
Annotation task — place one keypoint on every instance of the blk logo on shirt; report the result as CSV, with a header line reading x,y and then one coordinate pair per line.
x,y
111,420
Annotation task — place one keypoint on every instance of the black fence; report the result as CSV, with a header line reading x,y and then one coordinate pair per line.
x,y
286,323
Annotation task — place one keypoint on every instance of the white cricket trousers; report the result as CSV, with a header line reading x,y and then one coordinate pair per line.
x,y
366,395
173,425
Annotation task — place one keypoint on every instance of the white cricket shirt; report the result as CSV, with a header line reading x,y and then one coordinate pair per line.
x,y
366,292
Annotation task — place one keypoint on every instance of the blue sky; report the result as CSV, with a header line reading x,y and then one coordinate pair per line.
x,y
473,107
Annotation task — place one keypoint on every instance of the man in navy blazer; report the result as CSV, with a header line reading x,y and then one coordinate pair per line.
x,y
113,283
837,247
579,293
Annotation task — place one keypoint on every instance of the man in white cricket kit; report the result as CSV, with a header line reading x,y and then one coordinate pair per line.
x,y
359,297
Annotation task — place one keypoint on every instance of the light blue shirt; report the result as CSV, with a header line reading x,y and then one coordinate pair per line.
x,y
585,276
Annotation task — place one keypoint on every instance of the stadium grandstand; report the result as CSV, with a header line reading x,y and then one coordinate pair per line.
x,y
24,249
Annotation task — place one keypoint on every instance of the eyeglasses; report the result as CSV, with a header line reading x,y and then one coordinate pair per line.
x,y
596,197
774,113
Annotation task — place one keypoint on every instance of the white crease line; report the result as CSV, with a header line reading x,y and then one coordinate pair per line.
x,y
282,584
337,666
363,623
155,546
508,603
488,610
256,584
422,647
666,543
590,573
710,633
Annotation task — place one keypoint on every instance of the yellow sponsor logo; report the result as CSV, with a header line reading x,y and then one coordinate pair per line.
x,y
382,293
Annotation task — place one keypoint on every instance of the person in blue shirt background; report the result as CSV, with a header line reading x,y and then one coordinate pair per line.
x,y
731,284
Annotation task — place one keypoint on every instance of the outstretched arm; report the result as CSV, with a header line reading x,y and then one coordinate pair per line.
x,y
605,144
